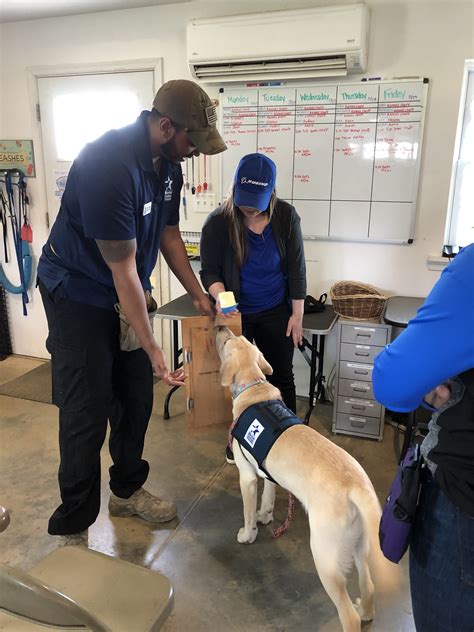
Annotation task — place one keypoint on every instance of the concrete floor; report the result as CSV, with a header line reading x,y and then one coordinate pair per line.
x,y
219,585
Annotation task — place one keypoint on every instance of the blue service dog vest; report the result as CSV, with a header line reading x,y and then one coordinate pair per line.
x,y
260,425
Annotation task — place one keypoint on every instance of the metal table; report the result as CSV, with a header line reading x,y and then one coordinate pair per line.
x,y
399,310
318,325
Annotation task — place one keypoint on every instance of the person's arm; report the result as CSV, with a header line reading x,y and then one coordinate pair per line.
x,y
295,322
438,343
215,289
214,241
211,264
120,258
106,196
296,265
174,251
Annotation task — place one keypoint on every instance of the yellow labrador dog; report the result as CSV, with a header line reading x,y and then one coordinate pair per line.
x,y
341,503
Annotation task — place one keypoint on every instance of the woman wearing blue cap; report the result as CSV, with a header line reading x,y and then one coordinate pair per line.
x,y
252,245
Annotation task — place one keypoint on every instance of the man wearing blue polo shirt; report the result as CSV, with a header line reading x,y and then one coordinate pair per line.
x,y
119,208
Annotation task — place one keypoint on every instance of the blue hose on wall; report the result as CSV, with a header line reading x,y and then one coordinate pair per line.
x,y
27,267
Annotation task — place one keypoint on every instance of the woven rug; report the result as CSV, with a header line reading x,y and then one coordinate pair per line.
x,y
34,385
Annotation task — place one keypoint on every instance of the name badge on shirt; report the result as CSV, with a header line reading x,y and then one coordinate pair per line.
x,y
146,208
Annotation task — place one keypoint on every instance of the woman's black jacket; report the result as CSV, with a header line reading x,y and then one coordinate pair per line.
x,y
218,263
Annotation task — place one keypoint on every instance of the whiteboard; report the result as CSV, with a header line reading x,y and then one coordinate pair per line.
x,y
347,155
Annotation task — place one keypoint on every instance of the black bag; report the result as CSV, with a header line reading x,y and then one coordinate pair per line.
x,y
311,305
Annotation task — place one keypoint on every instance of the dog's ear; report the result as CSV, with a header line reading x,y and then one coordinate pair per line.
x,y
264,365
228,370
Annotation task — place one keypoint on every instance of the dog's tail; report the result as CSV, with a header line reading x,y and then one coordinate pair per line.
x,y
386,575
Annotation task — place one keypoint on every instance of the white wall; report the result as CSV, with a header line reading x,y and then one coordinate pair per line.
x,y
408,37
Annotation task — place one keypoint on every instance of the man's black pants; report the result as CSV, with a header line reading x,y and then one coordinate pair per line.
x,y
94,381
268,330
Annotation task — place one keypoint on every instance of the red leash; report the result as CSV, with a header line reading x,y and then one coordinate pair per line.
x,y
282,528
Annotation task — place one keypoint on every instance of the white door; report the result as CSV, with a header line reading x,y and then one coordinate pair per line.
x,y
77,109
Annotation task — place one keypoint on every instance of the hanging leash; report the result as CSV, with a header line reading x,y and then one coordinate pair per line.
x,y
187,179
26,230
3,219
199,186
193,188
204,184
21,247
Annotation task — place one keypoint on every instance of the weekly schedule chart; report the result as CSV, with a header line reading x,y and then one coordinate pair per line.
x,y
347,155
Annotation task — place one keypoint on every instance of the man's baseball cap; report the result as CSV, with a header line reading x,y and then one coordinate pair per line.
x,y
254,181
186,103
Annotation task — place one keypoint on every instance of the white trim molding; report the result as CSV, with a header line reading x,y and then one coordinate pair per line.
x,y
436,263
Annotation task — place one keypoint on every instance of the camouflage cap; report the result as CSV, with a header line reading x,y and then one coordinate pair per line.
x,y
186,103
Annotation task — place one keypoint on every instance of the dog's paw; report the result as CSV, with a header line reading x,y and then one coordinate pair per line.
x,y
265,517
364,613
247,536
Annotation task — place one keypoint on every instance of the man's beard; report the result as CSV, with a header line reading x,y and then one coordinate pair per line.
x,y
169,151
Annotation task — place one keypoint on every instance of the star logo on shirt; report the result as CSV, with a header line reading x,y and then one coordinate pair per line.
x,y
168,189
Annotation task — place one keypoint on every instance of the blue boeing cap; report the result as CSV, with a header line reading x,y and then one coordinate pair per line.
x,y
254,181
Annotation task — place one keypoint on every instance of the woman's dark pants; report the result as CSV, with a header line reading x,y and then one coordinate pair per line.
x,y
268,330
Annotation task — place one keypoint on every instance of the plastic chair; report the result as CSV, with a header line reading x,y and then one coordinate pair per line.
x,y
4,518
74,588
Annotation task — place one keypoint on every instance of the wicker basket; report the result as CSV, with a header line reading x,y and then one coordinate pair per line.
x,y
357,301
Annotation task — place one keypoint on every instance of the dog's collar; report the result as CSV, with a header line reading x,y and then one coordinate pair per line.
x,y
237,390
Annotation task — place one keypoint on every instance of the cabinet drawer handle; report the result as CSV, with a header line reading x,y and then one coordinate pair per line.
x,y
355,407
364,335
363,355
356,423
361,372
360,390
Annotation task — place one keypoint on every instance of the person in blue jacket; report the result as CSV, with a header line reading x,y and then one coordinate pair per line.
x,y
119,208
432,363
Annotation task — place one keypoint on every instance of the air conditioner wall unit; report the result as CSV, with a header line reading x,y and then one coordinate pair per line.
x,y
296,44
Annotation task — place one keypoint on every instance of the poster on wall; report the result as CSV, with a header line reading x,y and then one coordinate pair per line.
x,y
18,154
60,177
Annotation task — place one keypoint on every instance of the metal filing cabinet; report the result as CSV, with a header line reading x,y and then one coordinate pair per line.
x,y
355,410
